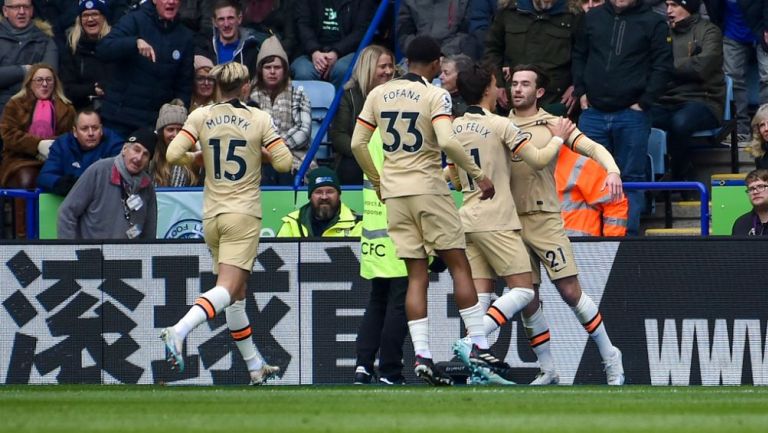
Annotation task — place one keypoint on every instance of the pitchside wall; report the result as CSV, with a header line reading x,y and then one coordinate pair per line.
x,y
684,311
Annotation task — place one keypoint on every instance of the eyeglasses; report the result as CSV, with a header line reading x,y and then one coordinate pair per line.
x,y
41,80
757,188
204,79
16,8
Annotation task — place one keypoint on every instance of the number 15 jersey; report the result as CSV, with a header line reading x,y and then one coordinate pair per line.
x,y
404,110
231,136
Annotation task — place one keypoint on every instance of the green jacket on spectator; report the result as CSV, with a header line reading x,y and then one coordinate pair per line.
x,y
697,46
520,34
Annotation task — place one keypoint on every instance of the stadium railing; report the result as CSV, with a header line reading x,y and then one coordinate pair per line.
x,y
30,199
679,186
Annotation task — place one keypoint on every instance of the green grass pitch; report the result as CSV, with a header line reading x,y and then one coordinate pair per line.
x,y
66,408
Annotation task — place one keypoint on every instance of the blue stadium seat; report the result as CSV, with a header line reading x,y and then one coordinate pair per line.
x,y
657,153
320,94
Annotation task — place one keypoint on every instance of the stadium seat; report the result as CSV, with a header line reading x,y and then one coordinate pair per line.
x,y
320,94
657,153
717,136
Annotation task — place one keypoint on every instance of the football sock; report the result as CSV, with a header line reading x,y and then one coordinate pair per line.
x,y
240,329
205,308
537,330
485,300
420,337
505,307
589,316
473,321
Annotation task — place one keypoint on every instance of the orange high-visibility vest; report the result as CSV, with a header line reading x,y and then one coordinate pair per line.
x,y
586,210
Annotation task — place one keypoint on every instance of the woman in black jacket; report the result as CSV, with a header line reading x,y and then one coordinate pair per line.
x,y
374,66
83,75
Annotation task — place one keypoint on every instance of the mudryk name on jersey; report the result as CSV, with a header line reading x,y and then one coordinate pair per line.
x,y
402,93
472,127
228,119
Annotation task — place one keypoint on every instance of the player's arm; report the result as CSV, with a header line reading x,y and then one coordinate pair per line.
x,y
178,150
280,157
455,152
451,174
538,158
584,145
361,136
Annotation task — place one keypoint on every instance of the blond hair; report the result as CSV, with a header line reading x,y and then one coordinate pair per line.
x,y
26,91
229,78
364,72
757,146
75,33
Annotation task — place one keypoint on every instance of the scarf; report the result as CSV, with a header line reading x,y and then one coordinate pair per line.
x,y
43,120
130,182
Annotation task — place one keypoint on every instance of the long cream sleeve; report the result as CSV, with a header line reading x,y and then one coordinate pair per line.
x,y
178,150
538,158
282,159
584,145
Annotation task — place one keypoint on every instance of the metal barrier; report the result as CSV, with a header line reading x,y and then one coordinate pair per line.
x,y
380,11
31,202
678,186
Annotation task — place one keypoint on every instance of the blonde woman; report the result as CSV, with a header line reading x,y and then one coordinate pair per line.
x,y
83,74
31,120
374,66
169,122
759,145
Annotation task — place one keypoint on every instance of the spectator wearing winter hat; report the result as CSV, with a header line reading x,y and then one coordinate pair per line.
x,y
324,215
202,92
153,54
82,73
114,198
289,107
694,97
169,122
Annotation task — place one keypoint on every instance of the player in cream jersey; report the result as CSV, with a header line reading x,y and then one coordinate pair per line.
x,y
538,207
494,242
415,124
234,139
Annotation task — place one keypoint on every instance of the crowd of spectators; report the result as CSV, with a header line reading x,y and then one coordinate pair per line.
x,y
119,62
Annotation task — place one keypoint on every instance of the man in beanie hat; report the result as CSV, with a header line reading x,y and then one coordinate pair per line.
x,y
114,198
695,96
325,215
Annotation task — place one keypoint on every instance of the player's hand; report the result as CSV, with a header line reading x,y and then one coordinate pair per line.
x,y
486,186
146,50
614,186
563,129
197,158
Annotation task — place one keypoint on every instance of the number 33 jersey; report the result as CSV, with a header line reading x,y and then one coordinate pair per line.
x,y
231,136
404,110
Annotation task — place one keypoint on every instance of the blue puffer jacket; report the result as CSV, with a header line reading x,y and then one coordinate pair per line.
x,y
66,158
140,87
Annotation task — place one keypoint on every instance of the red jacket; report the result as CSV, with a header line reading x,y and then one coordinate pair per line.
x,y
586,210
